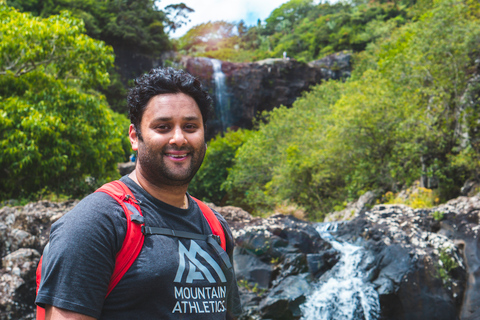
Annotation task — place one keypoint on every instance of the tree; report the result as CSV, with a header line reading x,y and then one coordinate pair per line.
x,y
137,25
134,28
177,15
402,115
56,132
219,158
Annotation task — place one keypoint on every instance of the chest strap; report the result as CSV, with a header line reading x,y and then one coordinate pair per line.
x,y
211,239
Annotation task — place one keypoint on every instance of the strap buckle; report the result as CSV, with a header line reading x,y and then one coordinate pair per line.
x,y
217,238
129,197
137,218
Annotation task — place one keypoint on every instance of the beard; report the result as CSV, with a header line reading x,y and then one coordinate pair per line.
x,y
160,173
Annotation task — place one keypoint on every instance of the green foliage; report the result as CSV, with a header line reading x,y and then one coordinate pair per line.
x,y
445,265
415,198
281,158
303,29
137,25
55,130
251,287
219,158
396,119
438,216
132,28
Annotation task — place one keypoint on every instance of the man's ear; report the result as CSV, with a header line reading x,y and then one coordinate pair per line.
x,y
132,134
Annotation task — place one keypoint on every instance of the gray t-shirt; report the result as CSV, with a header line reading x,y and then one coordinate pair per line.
x,y
172,278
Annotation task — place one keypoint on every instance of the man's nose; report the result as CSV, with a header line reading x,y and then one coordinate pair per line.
x,y
178,138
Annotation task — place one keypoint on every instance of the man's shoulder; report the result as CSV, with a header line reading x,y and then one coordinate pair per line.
x,y
97,206
97,201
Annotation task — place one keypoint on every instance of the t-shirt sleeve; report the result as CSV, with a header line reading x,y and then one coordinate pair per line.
x,y
81,256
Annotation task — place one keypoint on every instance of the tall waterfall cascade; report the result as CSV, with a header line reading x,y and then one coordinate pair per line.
x,y
222,103
344,294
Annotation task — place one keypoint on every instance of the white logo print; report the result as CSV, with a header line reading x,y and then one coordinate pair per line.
x,y
196,269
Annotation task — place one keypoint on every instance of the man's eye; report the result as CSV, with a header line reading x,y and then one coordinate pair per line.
x,y
162,127
190,127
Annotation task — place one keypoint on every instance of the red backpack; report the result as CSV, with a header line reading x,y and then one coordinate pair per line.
x,y
136,231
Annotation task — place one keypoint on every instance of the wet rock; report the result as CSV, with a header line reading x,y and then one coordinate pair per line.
x,y
278,249
418,266
284,300
319,263
423,263
250,268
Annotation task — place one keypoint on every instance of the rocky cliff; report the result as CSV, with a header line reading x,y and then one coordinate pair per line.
x,y
255,87
417,264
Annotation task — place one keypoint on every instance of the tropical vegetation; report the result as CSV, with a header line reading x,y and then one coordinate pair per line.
x,y
56,130
408,112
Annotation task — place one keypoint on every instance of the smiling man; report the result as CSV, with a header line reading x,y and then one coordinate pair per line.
x,y
178,274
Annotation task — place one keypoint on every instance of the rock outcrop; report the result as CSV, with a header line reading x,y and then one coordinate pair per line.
x,y
276,259
264,85
23,234
427,260
423,263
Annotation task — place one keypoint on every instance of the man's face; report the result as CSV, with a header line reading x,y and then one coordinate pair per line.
x,y
172,144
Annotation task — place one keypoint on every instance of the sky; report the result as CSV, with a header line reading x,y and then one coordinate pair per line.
x,y
228,10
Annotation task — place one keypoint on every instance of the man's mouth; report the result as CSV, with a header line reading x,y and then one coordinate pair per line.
x,y
179,156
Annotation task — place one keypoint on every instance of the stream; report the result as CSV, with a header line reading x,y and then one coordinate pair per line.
x,y
342,293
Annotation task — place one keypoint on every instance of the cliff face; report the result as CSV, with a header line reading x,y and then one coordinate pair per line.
x,y
255,87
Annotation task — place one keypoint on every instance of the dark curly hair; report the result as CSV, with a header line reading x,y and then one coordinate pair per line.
x,y
164,81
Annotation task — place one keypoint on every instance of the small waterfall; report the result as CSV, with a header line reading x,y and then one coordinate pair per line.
x,y
222,103
343,295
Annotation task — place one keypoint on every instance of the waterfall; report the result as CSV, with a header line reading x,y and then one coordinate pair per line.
x,y
344,294
222,103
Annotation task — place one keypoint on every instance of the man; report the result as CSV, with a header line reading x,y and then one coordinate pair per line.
x,y
172,278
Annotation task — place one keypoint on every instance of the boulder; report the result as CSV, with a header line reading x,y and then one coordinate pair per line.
x,y
24,232
250,268
276,260
418,272
353,209
283,301
17,283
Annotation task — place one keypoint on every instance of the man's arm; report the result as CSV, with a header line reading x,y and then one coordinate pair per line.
x,y
54,313
83,244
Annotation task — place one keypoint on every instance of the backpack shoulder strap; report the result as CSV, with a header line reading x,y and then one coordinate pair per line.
x,y
134,238
212,220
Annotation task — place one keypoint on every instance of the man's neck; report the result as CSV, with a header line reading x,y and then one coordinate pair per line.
x,y
173,195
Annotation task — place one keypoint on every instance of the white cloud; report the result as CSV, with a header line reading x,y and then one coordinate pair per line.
x,y
232,11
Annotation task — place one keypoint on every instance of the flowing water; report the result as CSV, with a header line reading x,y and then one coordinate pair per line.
x,y
222,103
344,294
